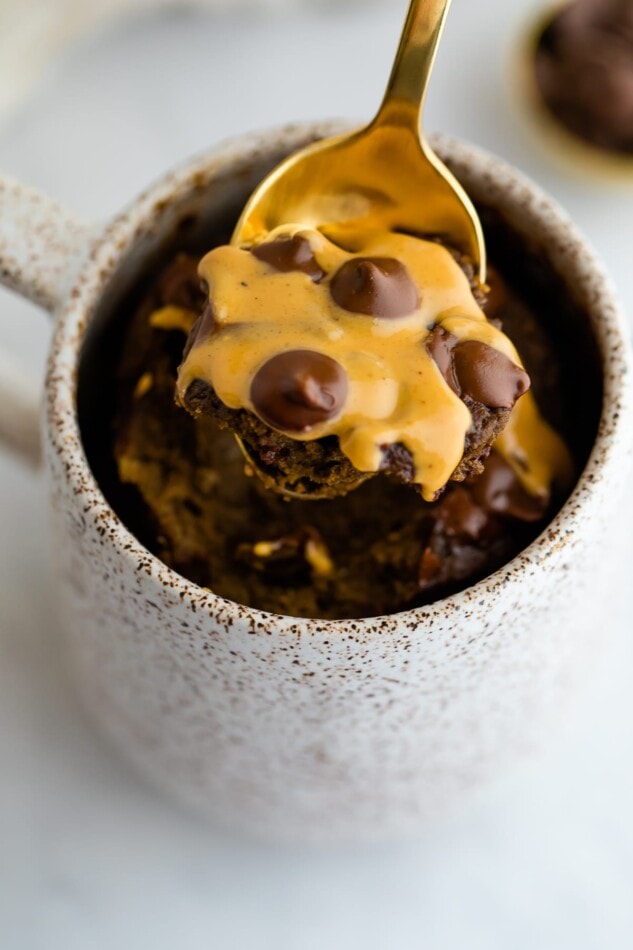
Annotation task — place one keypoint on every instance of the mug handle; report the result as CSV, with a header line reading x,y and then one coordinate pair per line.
x,y
42,245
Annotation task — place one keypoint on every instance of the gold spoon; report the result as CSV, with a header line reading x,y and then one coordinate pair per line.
x,y
383,177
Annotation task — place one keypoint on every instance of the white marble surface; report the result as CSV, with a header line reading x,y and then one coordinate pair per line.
x,y
89,857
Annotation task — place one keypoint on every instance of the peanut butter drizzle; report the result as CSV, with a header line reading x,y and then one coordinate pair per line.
x,y
534,450
173,318
396,393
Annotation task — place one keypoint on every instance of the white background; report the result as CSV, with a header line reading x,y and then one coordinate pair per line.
x,y
91,859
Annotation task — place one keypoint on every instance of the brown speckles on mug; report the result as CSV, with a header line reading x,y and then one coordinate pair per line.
x,y
308,728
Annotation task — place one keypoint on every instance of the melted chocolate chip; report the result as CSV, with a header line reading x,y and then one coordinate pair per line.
x,y
201,330
290,254
488,376
440,345
298,389
499,490
477,370
376,286
459,516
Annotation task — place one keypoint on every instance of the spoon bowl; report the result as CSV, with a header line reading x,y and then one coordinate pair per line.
x,y
384,177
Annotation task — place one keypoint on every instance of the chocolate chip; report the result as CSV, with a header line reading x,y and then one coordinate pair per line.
x,y
201,330
440,345
474,369
298,389
499,490
376,286
459,516
487,375
290,254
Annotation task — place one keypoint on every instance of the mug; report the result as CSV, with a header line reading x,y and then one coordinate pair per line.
x,y
303,729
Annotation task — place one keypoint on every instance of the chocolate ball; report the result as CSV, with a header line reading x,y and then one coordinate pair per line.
x,y
584,70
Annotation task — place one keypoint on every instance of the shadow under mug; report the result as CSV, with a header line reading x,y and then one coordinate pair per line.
x,y
284,727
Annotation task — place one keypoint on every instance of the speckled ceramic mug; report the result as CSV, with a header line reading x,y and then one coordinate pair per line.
x,y
304,729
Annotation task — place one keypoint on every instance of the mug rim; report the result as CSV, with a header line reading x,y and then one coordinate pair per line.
x,y
60,409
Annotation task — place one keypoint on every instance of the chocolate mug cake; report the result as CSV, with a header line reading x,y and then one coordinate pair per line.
x,y
310,728
181,482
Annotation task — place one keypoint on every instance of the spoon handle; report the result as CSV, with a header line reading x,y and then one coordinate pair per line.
x,y
406,90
